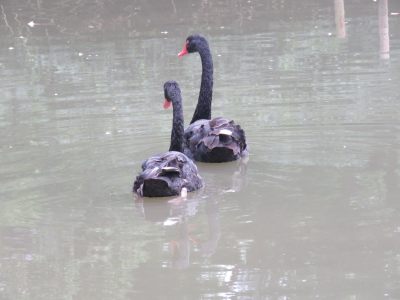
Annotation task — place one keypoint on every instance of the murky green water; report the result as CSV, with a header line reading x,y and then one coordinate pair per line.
x,y
315,211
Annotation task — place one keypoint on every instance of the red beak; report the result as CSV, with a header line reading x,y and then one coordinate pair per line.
x,y
184,51
167,104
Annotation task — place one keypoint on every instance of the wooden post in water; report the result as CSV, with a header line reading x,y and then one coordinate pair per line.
x,y
384,40
339,19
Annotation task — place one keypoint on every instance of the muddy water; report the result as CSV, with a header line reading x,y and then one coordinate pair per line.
x,y
313,213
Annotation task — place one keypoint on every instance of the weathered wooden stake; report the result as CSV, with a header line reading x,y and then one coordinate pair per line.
x,y
340,19
384,40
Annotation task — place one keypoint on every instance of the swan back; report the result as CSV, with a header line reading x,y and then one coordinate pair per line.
x,y
166,175
216,140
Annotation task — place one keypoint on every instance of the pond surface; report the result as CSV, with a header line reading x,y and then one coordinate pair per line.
x,y
313,213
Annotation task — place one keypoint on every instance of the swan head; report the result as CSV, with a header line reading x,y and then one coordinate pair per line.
x,y
171,90
193,43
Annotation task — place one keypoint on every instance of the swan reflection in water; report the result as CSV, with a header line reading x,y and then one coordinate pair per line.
x,y
185,242
224,178
178,213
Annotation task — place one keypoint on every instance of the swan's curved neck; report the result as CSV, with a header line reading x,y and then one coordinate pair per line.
x,y
177,124
203,108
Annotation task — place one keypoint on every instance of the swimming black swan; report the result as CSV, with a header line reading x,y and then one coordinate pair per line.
x,y
169,173
206,139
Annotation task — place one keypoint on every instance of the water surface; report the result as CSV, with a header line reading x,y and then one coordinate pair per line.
x,y
313,213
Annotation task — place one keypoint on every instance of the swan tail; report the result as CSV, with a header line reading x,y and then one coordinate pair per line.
x,y
155,186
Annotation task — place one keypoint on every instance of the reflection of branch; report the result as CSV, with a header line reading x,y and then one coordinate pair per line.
x,y
5,19
16,20
173,5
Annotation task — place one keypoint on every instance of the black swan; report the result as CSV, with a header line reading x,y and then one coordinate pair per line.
x,y
172,172
206,139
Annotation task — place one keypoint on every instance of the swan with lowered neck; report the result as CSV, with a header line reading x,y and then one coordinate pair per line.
x,y
170,173
206,139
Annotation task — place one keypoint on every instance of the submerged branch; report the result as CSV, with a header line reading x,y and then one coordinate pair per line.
x,y
5,19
